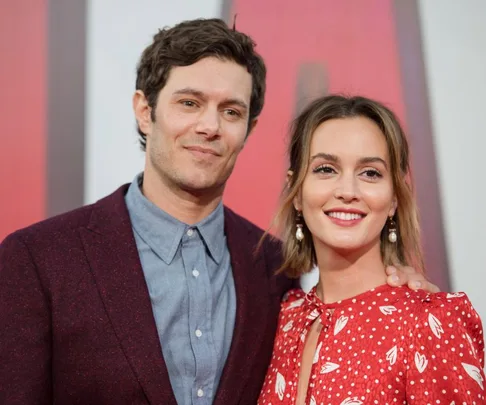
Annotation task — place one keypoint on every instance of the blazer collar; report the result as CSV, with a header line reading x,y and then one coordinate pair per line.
x,y
113,257
252,307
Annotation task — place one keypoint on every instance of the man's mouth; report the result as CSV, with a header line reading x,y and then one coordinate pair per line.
x,y
203,150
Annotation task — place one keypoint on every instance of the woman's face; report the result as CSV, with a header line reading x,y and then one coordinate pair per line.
x,y
347,194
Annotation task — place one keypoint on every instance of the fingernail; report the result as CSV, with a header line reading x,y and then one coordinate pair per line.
x,y
392,269
417,284
394,278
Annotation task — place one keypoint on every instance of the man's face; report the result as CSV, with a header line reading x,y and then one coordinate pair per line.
x,y
200,127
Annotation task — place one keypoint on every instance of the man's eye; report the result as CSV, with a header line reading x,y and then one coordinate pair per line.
x,y
188,103
233,113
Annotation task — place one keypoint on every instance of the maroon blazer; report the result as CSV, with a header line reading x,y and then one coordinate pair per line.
x,y
76,322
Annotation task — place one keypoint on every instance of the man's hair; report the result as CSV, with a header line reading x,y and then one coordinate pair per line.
x,y
188,42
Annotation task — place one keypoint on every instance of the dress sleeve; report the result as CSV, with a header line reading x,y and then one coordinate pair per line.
x,y
446,354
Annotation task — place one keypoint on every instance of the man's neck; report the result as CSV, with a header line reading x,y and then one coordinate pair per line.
x,y
343,276
186,206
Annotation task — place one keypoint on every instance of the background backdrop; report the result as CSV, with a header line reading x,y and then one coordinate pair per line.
x,y
68,71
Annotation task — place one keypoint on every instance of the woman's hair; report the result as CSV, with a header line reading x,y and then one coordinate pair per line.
x,y
300,257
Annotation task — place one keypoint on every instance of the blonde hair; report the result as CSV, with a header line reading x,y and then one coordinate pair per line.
x,y
300,257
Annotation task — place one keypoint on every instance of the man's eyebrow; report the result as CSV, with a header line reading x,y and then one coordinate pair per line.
x,y
189,90
199,94
236,101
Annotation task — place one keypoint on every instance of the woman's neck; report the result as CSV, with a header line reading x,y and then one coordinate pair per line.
x,y
344,275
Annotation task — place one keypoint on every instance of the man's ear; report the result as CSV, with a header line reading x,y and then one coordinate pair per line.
x,y
297,201
142,111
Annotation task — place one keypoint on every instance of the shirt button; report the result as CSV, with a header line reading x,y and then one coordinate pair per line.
x,y
198,333
190,232
195,273
200,393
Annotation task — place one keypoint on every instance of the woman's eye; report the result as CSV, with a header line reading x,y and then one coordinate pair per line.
x,y
324,169
372,174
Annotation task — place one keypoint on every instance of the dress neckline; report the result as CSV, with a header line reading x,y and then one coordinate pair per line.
x,y
381,294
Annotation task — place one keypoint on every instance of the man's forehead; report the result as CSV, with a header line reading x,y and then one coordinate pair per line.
x,y
211,77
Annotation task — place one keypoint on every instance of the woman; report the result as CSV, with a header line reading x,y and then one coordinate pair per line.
x,y
349,209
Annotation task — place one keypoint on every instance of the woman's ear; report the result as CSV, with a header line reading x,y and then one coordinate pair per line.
x,y
393,208
297,201
290,173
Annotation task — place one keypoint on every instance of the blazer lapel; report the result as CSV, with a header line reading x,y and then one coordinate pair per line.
x,y
112,254
252,303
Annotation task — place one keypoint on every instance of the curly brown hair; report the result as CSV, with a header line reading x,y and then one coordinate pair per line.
x,y
188,42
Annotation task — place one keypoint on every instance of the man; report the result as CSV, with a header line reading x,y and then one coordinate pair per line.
x,y
155,294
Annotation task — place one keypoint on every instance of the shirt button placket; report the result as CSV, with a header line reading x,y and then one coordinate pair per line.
x,y
198,323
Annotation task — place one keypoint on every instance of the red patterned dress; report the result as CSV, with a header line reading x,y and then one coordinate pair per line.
x,y
385,346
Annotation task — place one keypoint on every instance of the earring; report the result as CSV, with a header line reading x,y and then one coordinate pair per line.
x,y
392,230
299,233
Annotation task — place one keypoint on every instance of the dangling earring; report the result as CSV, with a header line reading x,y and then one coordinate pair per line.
x,y
392,230
299,233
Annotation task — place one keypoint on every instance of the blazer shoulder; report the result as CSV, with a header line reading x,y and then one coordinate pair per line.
x,y
55,225
235,219
62,225
270,248
270,245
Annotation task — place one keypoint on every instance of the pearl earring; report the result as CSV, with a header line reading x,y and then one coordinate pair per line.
x,y
299,233
392,230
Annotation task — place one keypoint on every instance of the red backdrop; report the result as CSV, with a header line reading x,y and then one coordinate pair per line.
x,y
23,113
309,47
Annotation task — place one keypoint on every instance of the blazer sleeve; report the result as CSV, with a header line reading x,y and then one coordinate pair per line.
x,y
25,336
446,355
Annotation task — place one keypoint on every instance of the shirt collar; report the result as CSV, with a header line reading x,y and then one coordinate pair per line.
x,y
211,229
163,233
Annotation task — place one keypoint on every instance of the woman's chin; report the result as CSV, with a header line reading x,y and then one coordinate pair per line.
x,y
347,246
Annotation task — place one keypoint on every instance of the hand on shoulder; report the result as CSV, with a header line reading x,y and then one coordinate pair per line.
x,y
406,275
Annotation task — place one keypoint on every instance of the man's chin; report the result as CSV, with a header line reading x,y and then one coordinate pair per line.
x,y
201,186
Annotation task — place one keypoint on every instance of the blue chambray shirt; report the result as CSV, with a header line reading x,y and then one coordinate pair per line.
x,y
190,281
